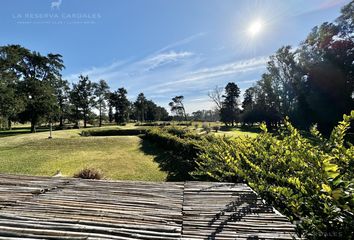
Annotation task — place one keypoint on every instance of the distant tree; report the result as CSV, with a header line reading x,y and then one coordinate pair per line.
x,y
248,106
121,104
216,96
248,99
141,107
101,90
110,99
62,92
155,113
82,97
230,106
206,115
177,107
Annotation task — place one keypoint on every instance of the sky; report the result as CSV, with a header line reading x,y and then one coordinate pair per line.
x,y
163,48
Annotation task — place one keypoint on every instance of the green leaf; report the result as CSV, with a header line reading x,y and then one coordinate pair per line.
x,y
326,188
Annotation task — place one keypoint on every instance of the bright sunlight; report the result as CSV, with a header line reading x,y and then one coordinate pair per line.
x,y
255,28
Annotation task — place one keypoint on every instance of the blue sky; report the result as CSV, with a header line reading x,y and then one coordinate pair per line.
x,y
163,48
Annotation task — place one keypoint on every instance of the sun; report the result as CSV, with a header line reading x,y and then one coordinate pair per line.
x,y
255,28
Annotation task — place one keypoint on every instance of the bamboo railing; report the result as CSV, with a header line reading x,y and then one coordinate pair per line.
x,y
67,208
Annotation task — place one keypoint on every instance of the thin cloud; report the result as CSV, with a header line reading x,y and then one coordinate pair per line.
x,y
182,42
161,59
216,72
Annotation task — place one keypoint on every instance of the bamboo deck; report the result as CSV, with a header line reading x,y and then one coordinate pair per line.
x,y
66,208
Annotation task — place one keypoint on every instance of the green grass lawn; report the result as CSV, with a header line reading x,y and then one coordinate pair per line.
x,y
119,157
237,132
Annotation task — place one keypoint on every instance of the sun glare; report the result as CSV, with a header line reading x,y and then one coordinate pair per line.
x,y
255,28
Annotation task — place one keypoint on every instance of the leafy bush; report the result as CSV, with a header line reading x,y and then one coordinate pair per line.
x,y
216,128
309,180
89,173
182,144
112,132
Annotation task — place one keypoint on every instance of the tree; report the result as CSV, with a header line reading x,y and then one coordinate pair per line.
x,y
154,112
230,110
121,104
110,99
177,107
216,96
82,97
141,107
62,91
101,90
27,81
11,99
39,74
327,59
41,103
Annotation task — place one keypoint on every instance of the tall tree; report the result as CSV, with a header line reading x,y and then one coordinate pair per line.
x,y
121,104
110,98
82,97
62,91
141,107
177,107
101,93
230,106
216,96
11,99
39,74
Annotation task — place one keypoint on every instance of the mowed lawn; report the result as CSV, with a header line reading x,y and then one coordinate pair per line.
x,y
118,157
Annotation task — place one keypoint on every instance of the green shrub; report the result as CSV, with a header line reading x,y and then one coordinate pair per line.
x,y
89,173
309,180
182,144
216,128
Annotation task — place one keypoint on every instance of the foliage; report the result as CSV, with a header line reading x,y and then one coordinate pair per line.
x,y
230,109
206,115
26,84
216,128
182,144
311,84
309,180
177,107
141,107
101,90
89,173
83,99
121,104
113,132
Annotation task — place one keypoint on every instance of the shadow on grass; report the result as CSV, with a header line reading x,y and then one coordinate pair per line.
x,y
169,163
19,131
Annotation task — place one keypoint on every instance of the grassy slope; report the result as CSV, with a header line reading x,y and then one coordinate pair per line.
x,y
118,157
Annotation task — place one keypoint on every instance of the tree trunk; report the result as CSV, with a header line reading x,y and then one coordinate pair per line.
x,y
61,120
85,120
100,123
33,128
9,124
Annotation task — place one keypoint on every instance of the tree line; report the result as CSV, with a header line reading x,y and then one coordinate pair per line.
x,y
311,84
32,90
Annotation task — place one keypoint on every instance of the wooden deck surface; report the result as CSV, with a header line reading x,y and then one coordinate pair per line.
x,y
66,208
